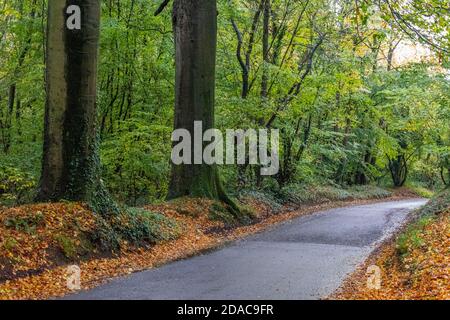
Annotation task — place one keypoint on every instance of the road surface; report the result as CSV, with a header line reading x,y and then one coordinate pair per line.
x,y
306,258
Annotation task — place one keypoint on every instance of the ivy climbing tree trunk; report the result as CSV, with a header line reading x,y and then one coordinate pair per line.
x,y
195,32
70,165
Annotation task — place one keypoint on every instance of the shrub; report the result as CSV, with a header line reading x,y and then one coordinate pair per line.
x,y
26,224
368,192
218,212
297,194
67,246
301,194
264,196
423,192
437,205
15,185
412,238
138,226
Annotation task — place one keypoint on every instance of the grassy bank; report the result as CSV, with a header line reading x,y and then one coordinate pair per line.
x,y
415,264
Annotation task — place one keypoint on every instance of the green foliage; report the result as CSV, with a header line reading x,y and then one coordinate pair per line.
x,y
219,212
67,245
15,185
267,197
134,226
135,168
411,237
73,248
437,205
138,225
10,244
368,192
423,192
303,194
26,224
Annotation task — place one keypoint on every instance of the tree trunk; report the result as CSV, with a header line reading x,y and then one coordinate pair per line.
x,y
399,170
265,40
195,28
9,115
445,177
70,166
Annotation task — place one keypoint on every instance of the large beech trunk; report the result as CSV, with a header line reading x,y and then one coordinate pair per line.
x,y
195,31
70,161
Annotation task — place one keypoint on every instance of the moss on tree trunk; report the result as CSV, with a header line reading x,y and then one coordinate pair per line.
x,y
195,32
70,165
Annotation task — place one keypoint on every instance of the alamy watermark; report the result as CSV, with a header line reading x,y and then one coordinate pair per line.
x,y
373,277
73,21
73,279
242,147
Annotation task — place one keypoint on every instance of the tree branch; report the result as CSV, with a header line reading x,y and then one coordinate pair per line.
x,y
239,47
410,30
161,7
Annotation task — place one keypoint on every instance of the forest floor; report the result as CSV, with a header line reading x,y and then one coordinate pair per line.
x,y
33,238
414,263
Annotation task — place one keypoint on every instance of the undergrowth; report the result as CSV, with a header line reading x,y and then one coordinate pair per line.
x,y
135,226
300,194
412,237
37,236
422,192
437,205
214,210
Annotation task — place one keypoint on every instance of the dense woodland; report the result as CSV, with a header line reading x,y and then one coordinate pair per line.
x,y
323,72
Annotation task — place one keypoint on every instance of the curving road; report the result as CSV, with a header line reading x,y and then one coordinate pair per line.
x,y
306,258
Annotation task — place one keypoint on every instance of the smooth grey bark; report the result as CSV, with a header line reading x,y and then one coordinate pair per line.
x,y
70,164
195,32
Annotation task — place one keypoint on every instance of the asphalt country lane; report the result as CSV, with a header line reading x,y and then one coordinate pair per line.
x,y
305,258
